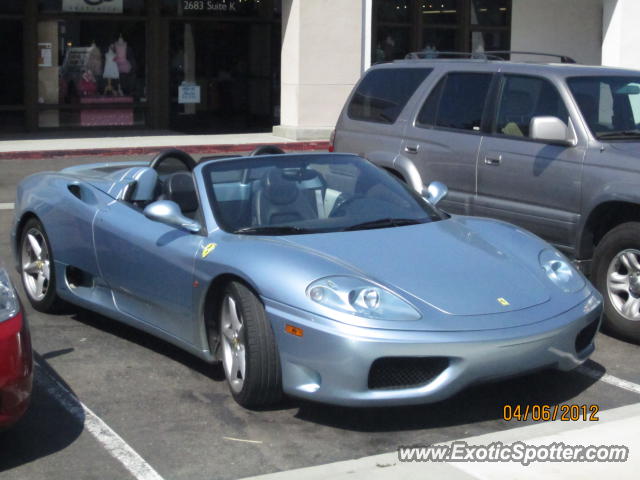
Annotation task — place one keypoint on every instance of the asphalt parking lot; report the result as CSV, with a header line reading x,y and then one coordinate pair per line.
x,y
96,378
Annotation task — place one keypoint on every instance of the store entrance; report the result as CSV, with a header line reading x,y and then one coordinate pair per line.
x,y
223,77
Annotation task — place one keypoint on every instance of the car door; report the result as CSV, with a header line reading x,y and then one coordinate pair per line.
x,y
149,266
530,183
444,138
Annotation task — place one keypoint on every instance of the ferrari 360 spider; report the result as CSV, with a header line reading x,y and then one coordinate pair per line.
x,y
317,275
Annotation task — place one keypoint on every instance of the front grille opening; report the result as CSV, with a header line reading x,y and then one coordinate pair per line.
x,y
586,336
405,372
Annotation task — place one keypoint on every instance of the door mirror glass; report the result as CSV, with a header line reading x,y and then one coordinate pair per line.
x,y
168,212
435,192
551,130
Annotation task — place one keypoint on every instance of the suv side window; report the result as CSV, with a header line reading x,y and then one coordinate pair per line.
x,y
457,101
523,98
383,93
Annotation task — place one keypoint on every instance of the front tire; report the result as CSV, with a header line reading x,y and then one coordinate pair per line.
x,y
617,277
249,353
37,268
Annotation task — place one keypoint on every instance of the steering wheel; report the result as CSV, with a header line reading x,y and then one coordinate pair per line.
x,y
267,150
184,158
341,208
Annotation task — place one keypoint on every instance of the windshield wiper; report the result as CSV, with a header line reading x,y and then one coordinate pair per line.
x,y
383,223
620,134
272,230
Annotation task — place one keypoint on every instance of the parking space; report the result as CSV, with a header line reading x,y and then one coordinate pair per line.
x,y
176,413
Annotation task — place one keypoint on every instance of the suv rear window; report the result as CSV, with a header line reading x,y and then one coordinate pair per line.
x,y
382,94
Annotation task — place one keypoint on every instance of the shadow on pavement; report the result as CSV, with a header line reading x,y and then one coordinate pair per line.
x,y
47,427
130,334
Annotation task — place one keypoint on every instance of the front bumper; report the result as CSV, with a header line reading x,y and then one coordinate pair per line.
x,y
331,361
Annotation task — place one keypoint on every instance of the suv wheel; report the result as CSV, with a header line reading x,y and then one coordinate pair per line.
x,y
617,276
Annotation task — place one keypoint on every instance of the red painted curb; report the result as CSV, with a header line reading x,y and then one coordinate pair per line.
x,y
191,149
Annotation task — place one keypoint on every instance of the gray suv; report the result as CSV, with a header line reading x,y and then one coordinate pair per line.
x,y
554,148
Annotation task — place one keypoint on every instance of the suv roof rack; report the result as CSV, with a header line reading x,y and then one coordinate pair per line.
x,y
488,55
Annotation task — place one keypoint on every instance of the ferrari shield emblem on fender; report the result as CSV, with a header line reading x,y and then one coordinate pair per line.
x,y
503,302
208,249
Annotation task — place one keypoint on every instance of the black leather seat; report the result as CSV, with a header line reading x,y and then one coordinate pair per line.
x,y
179,188
278,200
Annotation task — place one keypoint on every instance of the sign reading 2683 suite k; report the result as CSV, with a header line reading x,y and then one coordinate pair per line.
x,y
209,6
96,6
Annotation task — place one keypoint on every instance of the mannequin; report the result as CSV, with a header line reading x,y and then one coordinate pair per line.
x,y
87,85
121,56
94,60
111,72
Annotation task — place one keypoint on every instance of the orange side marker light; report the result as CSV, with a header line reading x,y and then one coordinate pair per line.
x,y
296,331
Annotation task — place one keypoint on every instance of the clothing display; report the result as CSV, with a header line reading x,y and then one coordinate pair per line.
x,y
111,70
87,85
124,66
94,60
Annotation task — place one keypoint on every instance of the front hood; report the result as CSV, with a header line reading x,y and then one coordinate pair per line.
x,y
447,265
627,147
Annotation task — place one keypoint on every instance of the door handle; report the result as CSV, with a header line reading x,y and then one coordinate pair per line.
x,y
413,149
493,160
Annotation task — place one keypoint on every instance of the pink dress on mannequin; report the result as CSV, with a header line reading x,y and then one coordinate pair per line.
x,y
121,56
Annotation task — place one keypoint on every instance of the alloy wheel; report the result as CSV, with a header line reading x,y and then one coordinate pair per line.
x,y
233,346
35,261
623,283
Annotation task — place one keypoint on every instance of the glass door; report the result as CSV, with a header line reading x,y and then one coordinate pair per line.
x,y
222,76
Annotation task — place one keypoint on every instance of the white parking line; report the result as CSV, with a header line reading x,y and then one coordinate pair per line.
x,y
610,379
110,440
6,206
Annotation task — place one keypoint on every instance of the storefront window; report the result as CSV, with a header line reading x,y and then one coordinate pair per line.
x,y
221,76
92,6
490,40
490,13
93,65
440,12
440,40
11,76
12,6
432,26
217,8
392,43
397,11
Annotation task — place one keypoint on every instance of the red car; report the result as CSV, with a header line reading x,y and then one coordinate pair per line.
x,y
16,357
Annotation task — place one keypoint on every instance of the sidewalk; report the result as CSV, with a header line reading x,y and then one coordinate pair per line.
x,y
143,144
619,426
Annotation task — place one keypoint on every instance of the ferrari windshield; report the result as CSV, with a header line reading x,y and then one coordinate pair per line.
x,y
309,193
610,105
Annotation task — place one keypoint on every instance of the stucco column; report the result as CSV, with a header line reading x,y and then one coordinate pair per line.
x,y
563,27
323,50
620,33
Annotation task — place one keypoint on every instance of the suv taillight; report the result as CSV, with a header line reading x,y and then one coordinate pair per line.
x,y
332,139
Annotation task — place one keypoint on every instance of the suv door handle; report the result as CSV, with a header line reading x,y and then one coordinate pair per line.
x,y
411,149
493,160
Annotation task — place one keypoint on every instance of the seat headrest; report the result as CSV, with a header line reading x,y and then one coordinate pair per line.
x,y
146,181
179,188
279,189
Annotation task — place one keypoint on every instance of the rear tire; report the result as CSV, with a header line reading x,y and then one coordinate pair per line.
x,y
37,268
617,277
248,349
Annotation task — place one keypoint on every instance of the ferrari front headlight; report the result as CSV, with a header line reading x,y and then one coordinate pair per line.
x,y
560,271
360,297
